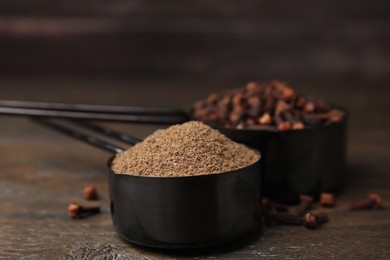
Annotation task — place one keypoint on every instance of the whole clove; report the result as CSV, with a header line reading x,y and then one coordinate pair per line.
x,y
294,121
273,104
377,200
327,199
300,102
277,214
280,107
373,201
265,119
76,211
281,125
90,193
309,107
313,221
273,216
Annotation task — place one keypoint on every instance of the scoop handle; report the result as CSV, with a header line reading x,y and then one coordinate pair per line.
x,y
128,139
127,118
89,139
129,114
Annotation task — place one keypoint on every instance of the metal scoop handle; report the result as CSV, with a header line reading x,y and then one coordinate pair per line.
x,y
130,114
89,139
80,114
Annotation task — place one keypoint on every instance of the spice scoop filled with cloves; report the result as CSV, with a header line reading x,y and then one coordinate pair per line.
x,y
302,139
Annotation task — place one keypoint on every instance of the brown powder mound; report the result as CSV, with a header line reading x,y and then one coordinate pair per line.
x,y
189,149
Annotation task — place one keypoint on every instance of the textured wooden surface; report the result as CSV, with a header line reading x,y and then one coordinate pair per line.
x,y
41,172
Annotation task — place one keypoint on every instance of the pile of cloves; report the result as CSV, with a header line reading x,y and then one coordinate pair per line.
x,y
265,106
279,214
276,214
77,211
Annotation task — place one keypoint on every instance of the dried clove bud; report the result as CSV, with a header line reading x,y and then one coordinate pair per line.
x,y
250,122
280,107
90,193
295,123
327,199
335,115
313,221
300,102
268,104
240,125
225,101
238,99
280,124
288,93
254,111
373,201
298,126
223,113
236,118
377,200
254,101
77,211
310,220
273,216
251,86
309,107
265,119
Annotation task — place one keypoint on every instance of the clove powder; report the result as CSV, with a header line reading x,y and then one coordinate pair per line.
x,y
189,149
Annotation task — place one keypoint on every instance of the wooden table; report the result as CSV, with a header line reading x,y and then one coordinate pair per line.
x,y
41,172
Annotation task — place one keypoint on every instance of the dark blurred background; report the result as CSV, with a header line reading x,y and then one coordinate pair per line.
x,y
214,41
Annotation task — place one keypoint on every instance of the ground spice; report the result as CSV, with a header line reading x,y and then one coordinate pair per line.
x,y
189,149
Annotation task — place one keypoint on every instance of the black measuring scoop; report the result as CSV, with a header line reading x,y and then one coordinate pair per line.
x,y
294,162
176,212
